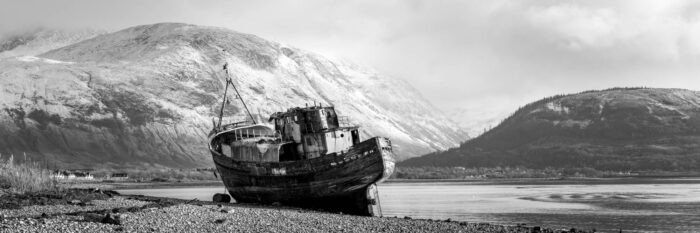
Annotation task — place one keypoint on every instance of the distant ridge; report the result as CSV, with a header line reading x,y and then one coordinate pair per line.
x,y
619,129
41,40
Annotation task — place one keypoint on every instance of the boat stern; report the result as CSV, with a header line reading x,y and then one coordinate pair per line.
x,y
388,160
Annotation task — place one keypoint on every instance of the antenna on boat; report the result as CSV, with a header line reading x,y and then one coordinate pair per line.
x,y
229,81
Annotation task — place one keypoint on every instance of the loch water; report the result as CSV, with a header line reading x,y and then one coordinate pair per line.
x,y
631,205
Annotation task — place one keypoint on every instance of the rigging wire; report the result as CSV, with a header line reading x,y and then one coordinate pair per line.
x,y
230,81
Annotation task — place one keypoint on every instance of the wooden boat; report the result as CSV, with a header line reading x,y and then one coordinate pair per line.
x,y
310,157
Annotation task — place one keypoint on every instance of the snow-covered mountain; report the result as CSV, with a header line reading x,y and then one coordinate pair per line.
x,y
39,41
146,95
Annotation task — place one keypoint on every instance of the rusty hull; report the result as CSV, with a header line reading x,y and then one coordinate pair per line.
x,y
336,182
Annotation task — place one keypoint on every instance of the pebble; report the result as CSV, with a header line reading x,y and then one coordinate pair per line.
x,y
75,202
220,220
111,219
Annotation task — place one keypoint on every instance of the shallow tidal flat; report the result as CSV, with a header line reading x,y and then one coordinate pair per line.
x,y
148,214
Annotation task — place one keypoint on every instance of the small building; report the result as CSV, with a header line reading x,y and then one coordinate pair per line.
x,y
119,176
75,174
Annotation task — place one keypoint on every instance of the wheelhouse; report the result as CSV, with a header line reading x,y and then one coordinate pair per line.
x,y
298,134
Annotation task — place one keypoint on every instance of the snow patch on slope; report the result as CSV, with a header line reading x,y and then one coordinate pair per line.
x,y
557,107
38,59
569,123
40,41
671,108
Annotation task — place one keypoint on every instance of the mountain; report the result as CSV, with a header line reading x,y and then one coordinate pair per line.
x,y
619,129
146,96
39,41
475,121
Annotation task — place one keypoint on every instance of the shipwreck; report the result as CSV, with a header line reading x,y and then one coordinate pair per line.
x,y
306,156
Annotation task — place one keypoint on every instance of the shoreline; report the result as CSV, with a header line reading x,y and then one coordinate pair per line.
x,y
110,212
150,185
504,181
545,181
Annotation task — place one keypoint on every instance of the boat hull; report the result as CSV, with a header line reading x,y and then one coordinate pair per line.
x,y
337,182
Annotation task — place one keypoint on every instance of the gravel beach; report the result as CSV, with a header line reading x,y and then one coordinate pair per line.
x,y
118,213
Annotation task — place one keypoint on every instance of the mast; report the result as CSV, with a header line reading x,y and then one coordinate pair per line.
x,y
229,81
223,103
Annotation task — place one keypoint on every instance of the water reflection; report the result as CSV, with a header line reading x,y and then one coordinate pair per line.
x,y
605,207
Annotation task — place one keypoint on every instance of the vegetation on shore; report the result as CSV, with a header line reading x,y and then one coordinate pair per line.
x,y
25,177
159,174
497,172
489,172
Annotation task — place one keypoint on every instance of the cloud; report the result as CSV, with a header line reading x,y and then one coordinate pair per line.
x,y
662,35
486,55
576,26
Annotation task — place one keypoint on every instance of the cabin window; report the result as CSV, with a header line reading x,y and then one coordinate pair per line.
x,y
342,135
309,142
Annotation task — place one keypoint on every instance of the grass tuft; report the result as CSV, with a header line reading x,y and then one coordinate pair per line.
x,y
25,177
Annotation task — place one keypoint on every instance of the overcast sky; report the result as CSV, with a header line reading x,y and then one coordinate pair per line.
x,y
485,56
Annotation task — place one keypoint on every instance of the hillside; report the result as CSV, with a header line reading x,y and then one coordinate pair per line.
x,y
623,129
475,121
146,96
39,41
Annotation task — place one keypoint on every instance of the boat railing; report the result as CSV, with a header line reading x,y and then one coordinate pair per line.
x,y
234,122
247,133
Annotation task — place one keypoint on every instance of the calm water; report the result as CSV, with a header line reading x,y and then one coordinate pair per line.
x,y
663,206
